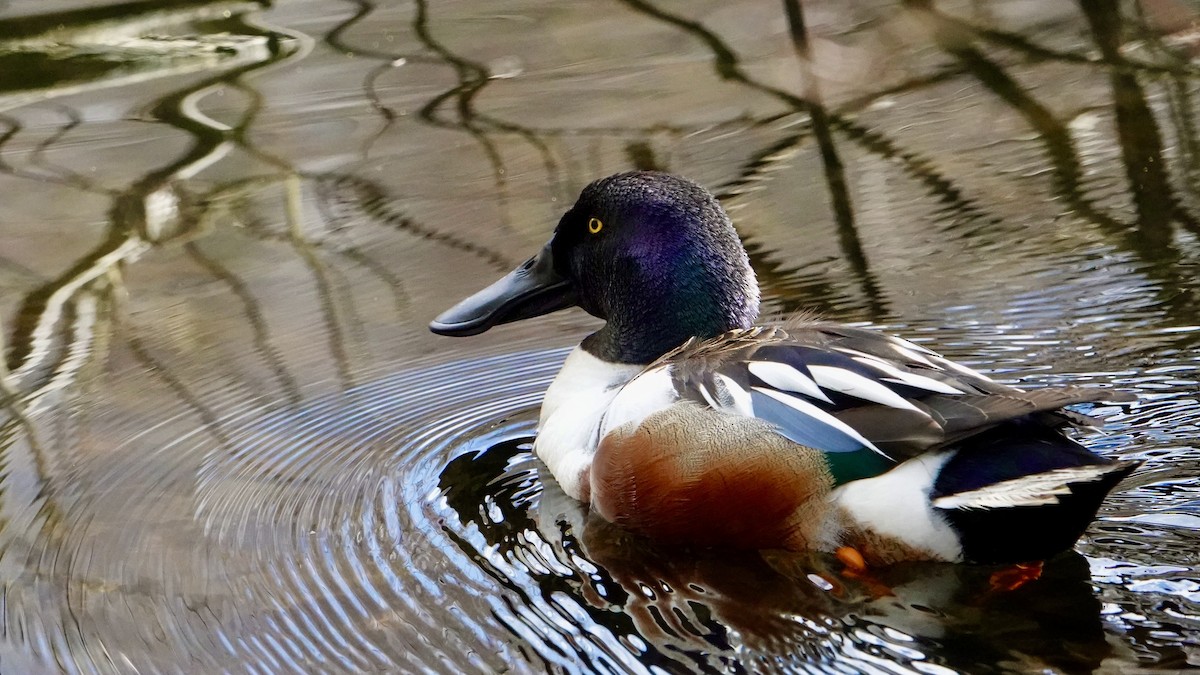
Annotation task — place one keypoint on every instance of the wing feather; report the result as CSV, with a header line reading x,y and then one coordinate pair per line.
x,y
807,424
839,388
783,377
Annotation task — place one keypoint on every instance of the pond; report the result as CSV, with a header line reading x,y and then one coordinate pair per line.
x,y
229,442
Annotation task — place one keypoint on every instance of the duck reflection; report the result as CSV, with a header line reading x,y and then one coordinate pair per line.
x,y
715,609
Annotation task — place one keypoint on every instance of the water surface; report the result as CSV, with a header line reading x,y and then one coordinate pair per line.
x,y
229,442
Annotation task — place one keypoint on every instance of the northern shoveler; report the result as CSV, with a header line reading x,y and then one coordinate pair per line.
x,y
682,420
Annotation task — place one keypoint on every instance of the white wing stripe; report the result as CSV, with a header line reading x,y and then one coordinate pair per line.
x,y
921,382
967,371
853,384
787,378
912,345
914,356
806,408
708,397
918,381
854,352
741,397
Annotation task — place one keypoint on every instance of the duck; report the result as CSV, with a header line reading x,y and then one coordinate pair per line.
x,y
684,421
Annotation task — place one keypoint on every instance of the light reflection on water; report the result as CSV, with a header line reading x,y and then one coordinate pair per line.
x,y
229,441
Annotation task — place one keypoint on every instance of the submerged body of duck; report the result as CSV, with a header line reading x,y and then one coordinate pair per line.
x,y
681,420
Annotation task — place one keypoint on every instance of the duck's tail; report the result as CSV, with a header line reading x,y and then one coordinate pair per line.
x,y
1016,497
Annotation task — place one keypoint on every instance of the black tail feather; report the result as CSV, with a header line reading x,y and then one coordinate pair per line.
x,y
1029,528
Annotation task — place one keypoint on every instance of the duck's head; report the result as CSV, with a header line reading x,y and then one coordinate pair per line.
x,y
652,254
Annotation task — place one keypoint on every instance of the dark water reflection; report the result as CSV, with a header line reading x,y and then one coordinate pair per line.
x,y
712,611
228,441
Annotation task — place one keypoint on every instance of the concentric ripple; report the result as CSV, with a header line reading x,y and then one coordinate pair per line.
x,y
404,525
334,499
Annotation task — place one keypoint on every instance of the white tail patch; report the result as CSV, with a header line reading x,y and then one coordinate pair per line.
x,y
853,384
806,408
787,378
1039,489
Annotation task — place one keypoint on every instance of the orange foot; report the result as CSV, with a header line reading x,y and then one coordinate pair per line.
x,y
856,568
1012,578
852,559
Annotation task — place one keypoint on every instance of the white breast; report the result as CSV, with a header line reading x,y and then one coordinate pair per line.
x,y
572,413
649,392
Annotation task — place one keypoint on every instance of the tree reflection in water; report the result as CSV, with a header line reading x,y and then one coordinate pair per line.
x,y
228,440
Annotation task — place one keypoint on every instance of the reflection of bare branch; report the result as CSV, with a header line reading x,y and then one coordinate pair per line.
x,y
759,164
329,308
939,75
331,199
1137,130
70,177
725,63
1113,61
34,343
1141,136
1182,109
473,77
7,387
920,168
798,289
158,369
20,404
373,201
1055,136
54,334
337,223
336,37
385,111
394,283
64,177
11,431
78,339
56,329
831,162
258,326
389,61
1141,146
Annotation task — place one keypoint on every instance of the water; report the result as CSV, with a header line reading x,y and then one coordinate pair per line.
x,y
229,442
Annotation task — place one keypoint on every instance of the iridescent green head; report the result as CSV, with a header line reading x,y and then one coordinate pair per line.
x,y
653,254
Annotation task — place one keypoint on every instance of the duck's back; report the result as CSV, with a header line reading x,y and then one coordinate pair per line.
x,y
850,435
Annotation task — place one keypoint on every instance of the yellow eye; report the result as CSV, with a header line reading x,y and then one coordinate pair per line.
x,y
594,225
